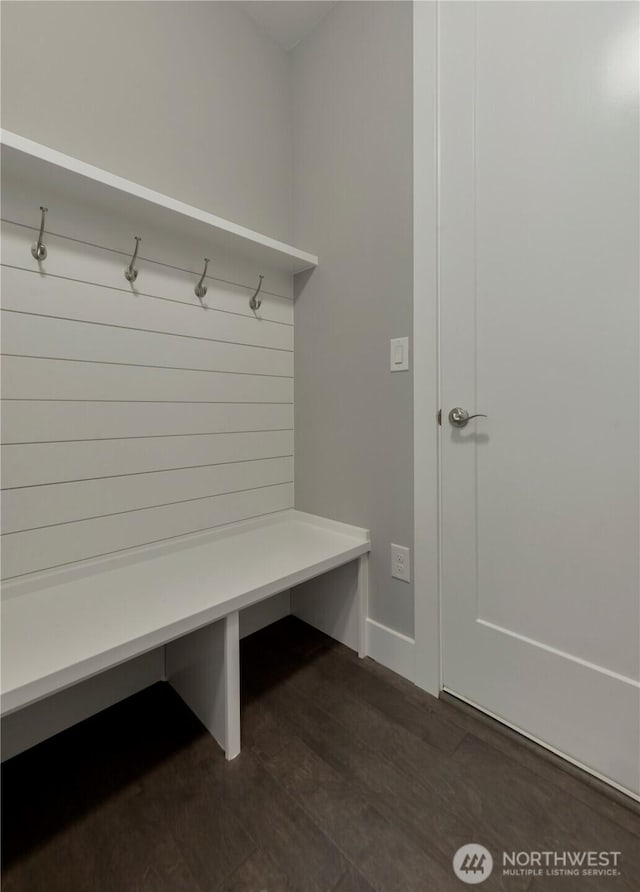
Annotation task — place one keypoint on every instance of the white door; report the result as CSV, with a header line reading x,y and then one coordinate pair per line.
x,y
539,304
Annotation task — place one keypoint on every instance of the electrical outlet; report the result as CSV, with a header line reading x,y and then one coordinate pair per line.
x,y
401,563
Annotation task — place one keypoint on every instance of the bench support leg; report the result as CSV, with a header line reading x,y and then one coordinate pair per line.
x,y
362,598
232,651
204,668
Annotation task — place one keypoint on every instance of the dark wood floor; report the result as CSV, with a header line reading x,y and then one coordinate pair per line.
x,y
350,780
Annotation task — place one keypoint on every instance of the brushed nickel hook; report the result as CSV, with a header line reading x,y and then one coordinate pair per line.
x,y
39,251
201,289
130,273
253,303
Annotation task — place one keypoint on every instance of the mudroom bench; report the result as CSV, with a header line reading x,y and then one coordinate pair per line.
x,y
63,627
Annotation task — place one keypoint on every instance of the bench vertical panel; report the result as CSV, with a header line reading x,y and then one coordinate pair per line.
x,y
203,669
232,678
362,597
332,603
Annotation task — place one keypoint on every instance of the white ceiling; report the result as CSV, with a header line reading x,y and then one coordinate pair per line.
x,y
287,21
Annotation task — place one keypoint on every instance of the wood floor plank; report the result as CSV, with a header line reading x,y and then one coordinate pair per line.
x,y
127,787
607,802
516,814
511,806
184,789
130,844
350,780
396,796
261,734
342,668
578,883
258,874
604,800
526,813
356,679
435,823
279,826
384,855
120,844
390,741
577,825
211,841
57,864
352,881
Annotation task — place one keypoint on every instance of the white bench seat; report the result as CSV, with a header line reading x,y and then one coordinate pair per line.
x,y
63,627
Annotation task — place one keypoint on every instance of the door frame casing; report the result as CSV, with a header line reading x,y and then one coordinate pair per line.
x,y
426,385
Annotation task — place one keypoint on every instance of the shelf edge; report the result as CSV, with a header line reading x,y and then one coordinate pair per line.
x,y
51,156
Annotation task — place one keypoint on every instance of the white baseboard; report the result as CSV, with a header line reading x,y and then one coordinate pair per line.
x,y
393,649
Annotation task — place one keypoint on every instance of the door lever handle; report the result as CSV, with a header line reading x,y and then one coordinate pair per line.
x,y
459,417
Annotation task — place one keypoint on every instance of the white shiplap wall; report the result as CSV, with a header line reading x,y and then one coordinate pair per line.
x,y
132,414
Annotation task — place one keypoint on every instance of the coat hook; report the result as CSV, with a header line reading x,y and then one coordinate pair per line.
x,y
201,289
253,303
130,273
39,251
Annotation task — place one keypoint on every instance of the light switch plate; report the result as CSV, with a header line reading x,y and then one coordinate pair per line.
x,y
399,354
401,563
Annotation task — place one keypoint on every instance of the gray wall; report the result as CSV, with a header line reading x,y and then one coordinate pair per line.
x,y
187,98
352,146
192,99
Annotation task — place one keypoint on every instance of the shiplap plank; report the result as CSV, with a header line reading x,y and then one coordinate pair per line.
x,y
38,421
89,263
54,546
134,414
40,379
27,335
39,506
35,464
44,295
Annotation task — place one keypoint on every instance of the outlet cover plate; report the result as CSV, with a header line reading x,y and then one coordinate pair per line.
x,y
401,563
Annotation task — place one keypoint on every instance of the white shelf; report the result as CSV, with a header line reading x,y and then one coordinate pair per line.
x,y
27,160
64,626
